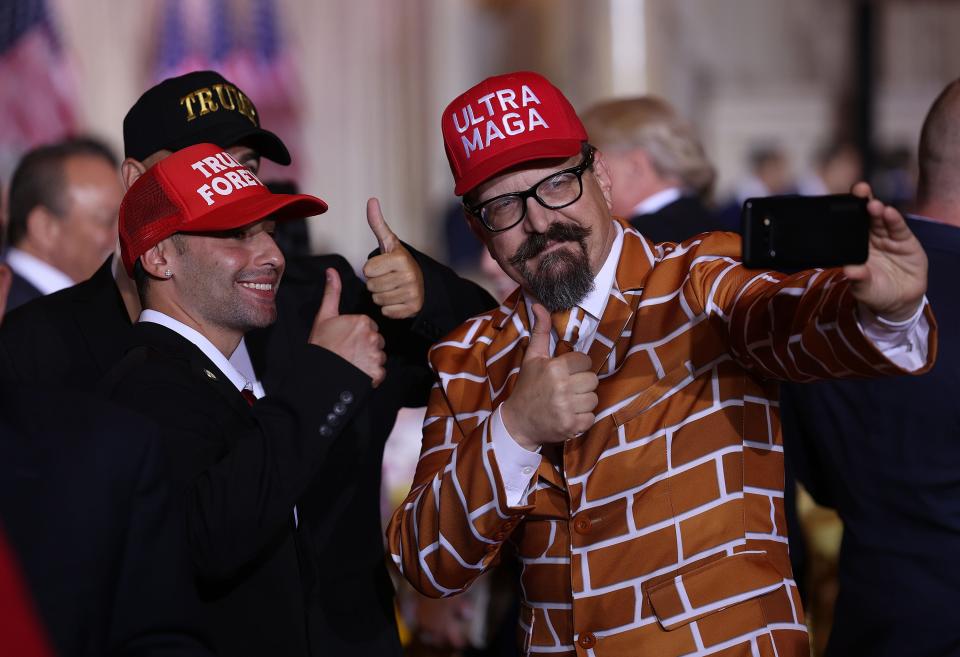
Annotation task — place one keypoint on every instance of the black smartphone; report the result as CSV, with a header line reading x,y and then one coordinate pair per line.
x,y
802,232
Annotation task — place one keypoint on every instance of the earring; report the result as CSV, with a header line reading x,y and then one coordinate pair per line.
x,y
168,273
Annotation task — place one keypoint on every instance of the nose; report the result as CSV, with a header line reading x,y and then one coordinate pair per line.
x,y
268,254
537,218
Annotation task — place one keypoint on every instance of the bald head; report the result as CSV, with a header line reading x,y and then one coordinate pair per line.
x,y
651,126
938,190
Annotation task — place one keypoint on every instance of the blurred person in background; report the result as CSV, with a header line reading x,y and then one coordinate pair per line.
x,y
293,237
657,166
62,223
895,172
613,419
885,453
769,175
836,167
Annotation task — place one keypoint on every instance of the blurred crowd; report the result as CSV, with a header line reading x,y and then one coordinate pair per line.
x,y
195,410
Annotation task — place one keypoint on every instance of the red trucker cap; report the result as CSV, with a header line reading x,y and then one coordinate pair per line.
x,y
504,121
200,189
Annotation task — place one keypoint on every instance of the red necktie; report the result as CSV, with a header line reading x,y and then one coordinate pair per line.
x,y
248,395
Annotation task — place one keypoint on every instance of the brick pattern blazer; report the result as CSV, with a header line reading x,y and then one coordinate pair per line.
x,y
662,531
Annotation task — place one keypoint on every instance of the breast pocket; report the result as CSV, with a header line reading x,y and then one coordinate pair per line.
x,y
656,394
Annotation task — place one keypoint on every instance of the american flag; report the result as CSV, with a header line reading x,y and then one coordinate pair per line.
x,y
242,40
37,95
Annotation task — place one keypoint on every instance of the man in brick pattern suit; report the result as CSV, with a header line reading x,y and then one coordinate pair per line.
x,y
631,454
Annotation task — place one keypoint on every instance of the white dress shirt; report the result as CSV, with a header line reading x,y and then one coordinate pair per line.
x,y
904,343
658,201
41,275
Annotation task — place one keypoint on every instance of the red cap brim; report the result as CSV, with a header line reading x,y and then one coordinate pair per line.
x,y
278,207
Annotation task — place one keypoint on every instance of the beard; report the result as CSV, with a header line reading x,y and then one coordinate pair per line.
x,y
562,279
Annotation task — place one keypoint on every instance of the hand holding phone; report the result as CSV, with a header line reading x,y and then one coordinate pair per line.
x,y
881,257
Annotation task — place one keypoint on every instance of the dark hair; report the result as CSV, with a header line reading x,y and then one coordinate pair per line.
x,y
39,180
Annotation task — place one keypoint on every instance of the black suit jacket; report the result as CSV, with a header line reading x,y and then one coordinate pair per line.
x,y
323,589
85,506
676,221
69,338
21,291
886,454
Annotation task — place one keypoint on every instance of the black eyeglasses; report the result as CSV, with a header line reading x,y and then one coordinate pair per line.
x,y
558,190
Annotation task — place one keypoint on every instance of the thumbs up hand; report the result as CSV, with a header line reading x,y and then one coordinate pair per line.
x,y
354,338
393,277
554,398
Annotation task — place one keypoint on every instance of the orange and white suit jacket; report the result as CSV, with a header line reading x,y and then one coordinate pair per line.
x,y
662,532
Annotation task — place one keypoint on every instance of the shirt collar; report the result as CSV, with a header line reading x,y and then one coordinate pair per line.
x,y
201,342
658,201
41,275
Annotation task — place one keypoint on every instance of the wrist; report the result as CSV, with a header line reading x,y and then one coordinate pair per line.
x,y
515,429
901,314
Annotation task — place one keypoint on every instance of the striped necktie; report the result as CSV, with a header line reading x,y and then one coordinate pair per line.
x,y
566,324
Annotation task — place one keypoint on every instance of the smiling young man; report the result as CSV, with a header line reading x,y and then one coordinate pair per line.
x,y
207,270
615,419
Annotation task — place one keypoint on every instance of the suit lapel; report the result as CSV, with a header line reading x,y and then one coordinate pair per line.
x,y
636,260
507,347
201,367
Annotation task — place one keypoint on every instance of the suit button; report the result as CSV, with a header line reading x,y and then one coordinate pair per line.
x,y
339,408
587,640
325,431
582,525
332,419
346,396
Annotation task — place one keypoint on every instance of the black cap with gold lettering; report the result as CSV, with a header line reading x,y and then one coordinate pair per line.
x,y
197,107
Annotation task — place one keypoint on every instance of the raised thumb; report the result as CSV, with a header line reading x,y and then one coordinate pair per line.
x,y
330,306
539,346
385,237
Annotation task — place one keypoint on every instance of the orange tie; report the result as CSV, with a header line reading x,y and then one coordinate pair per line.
x,y
566,324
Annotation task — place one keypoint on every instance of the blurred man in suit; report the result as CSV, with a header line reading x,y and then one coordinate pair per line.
x,y
85,509
63,203
656,164
885,453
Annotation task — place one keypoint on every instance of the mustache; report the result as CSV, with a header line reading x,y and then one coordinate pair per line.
x,y
556,232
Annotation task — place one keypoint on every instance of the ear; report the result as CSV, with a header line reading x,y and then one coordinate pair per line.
x,y
130,170
6,278
602,175
43,230
156,260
